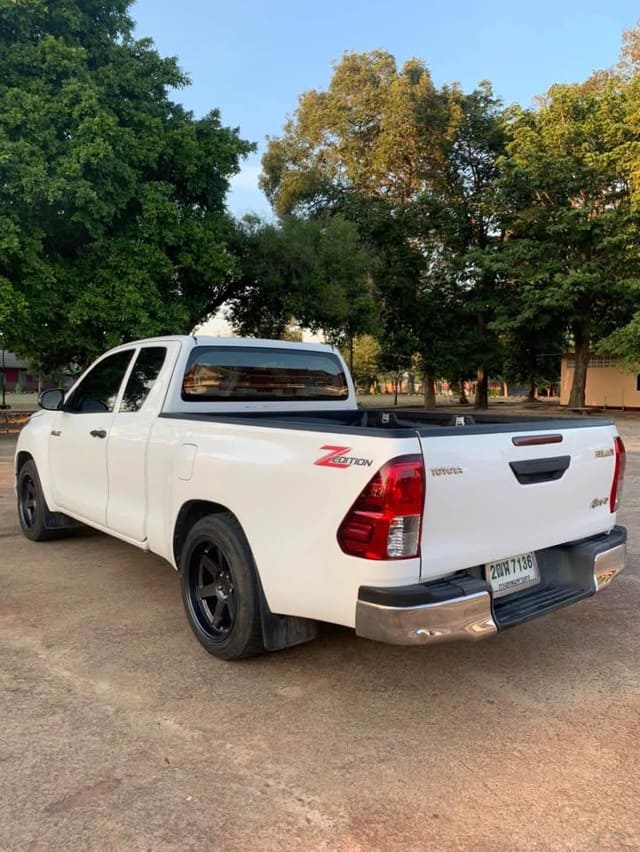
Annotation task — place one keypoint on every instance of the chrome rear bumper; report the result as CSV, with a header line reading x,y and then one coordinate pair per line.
x,y
467,617
608,565
437,612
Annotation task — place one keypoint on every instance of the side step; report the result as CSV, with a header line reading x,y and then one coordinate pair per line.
x,y
515,609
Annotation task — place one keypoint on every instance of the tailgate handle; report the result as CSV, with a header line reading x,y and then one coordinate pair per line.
x,y
540,470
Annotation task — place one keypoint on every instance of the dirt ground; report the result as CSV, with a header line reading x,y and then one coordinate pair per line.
x,y
118,732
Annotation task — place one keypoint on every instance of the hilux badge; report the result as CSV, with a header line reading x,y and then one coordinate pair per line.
x,y
603,454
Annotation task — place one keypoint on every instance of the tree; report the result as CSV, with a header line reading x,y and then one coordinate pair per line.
x,y
462,210
313,271
269,266
414,167
111,194
364,149
533,338
374,132
624,342
572,227
366,361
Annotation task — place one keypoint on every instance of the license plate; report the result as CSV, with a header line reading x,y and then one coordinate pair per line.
x,y
512,574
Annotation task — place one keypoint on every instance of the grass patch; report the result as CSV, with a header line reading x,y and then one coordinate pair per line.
x,y
21,401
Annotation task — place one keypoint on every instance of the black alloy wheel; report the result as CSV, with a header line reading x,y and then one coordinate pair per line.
x,y
28,501
220,589
213,593
32,506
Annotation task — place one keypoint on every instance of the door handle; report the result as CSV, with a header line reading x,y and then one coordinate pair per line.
x,y
56,433
98,433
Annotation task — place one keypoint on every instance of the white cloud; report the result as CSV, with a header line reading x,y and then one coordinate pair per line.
x,y
247,177
217,326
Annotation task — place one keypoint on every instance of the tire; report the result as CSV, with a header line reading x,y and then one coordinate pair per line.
x,y
220,589
32,507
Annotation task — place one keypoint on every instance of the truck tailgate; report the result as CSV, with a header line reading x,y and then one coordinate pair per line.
x,y
488,498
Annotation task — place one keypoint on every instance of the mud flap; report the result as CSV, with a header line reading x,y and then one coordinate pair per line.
x,y
284,631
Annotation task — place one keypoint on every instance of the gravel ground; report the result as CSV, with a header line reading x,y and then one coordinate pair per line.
x,y
118,732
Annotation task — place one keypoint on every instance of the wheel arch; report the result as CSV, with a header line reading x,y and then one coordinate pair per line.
x,y
21,459
279,631
24,456
190,513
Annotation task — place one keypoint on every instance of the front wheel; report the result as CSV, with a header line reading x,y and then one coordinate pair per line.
x,y
32,507
220,588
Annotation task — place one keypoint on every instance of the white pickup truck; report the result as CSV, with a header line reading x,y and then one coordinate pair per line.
x,y
249,467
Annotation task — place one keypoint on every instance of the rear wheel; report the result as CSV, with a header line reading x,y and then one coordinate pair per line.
x,y
220,588
32,507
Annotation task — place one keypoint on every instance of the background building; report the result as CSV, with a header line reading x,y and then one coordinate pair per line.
x,y
608,384
17,374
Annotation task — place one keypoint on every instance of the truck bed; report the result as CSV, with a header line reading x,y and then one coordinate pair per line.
x,y
395,423
489,496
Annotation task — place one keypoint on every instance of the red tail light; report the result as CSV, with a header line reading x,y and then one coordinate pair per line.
x,y
385,520
618,474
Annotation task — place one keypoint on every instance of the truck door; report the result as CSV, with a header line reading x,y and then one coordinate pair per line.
x,y
79,438
129,437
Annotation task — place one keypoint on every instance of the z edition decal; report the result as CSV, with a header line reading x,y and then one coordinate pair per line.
x,y
338,458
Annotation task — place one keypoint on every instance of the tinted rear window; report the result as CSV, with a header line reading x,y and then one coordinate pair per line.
x,y
251,375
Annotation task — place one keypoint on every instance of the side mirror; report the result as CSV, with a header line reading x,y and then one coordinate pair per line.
x,y
52,399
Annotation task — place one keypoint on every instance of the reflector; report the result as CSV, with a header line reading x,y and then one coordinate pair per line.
x,y
618,473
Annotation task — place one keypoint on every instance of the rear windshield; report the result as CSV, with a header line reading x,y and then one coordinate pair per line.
x,y
253,374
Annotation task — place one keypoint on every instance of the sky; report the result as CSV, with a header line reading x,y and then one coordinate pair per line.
x,y
252,60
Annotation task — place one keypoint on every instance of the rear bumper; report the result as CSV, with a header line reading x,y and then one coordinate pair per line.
x,y
463,607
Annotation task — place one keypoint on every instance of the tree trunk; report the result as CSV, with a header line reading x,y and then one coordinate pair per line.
x,y
505,390
395,388
578,388
463,392
531,396
351,354
482,377
482,390
429,389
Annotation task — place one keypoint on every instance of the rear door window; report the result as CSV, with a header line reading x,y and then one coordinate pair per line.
x,y
216,374
142,378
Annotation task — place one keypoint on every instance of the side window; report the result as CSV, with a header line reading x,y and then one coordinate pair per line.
x,y
98,391
145,371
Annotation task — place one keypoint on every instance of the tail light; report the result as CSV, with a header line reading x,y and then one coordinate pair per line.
x,y
385,520
620,461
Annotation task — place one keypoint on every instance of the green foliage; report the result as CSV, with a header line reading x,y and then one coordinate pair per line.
x,y
414,168
624,343
312,270
464,237
460,212
371,133
366,361
571,255
111,194
497,237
